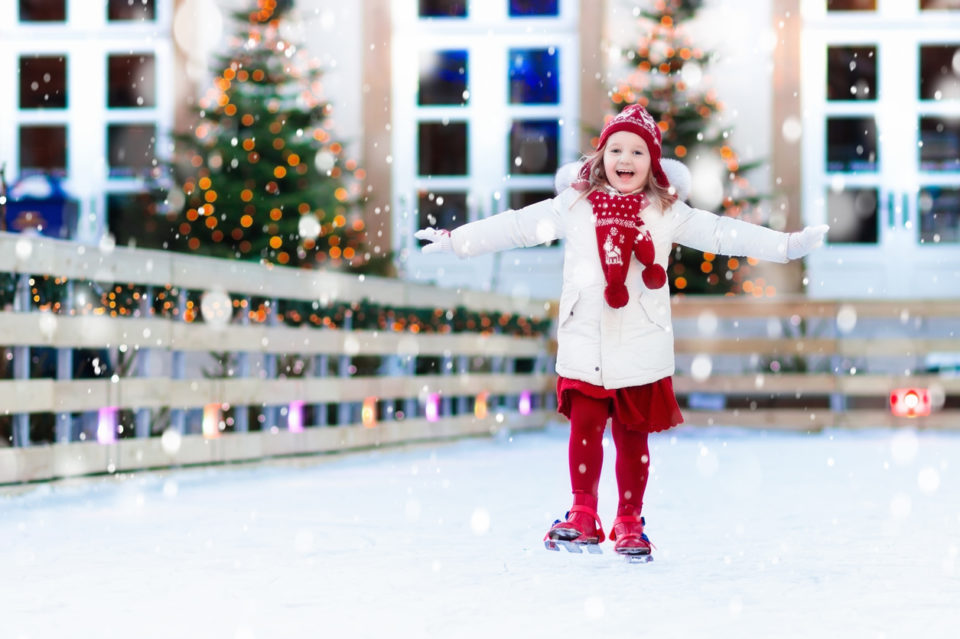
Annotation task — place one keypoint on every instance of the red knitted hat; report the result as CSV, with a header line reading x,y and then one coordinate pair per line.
x,y
635,119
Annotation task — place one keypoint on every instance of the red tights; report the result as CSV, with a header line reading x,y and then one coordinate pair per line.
x,y
588,419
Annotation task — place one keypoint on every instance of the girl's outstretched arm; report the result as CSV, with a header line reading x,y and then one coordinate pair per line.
x,y
712,233
532,225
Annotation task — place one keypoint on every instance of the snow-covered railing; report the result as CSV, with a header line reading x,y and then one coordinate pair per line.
x,y
288,351
810,364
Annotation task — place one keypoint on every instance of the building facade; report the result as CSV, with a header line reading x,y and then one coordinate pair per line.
x,y
459,109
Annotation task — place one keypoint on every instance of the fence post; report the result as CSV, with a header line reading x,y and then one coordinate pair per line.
x,y
241,414
463,368
343,369
178,367
321,367
64,428
21,361
142,426
270,370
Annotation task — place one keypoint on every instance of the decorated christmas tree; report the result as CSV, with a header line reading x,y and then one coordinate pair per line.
x,y
262,175
667,79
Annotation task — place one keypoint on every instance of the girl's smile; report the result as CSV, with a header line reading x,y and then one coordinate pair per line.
x,y
626,162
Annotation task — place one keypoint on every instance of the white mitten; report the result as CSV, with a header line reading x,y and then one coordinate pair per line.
x,y
801,243
439,240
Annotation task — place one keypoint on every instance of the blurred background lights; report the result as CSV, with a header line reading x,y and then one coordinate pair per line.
x,y
295,416
211,421
701,367
910,402
368,413
324,161
480,405
47,324
107,425
198,27
216,308
23,248
707,171
170,441
846,318
525,405
707,323
432,407
692,73
309,226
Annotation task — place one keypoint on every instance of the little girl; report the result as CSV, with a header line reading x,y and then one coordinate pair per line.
x,y
615,359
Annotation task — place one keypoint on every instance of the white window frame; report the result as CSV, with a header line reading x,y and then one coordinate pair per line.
x,y
487,35
898,265
86,38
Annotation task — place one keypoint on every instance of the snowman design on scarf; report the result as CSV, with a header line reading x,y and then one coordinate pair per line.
x,y
620,233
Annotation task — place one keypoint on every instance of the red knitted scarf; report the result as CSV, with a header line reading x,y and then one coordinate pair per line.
x,y
619,235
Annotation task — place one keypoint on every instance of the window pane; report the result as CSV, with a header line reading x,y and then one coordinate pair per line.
x,y
939,215
443,77
940,72
940,5
131,81
443,148
534,8
131,148
442,210
851,144
43,82
851,73
443,8
520,199
534,77
43,10
852,215
533,147
43,148
851,5
939,144
131,10
133,218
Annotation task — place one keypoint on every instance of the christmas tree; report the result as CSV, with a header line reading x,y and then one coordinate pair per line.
x,y
666,78
262,176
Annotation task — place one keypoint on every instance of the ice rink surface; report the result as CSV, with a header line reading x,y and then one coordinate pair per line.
x,y
758,535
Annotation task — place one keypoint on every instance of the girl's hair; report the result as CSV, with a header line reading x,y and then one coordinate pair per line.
x,y
662,196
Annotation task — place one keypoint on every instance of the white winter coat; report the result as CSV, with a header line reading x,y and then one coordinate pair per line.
x,y
614,347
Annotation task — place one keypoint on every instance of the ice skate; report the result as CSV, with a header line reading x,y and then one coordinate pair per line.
x,y
631,541
582,528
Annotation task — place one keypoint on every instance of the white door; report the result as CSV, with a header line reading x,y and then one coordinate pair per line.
x,y
881,150
485,109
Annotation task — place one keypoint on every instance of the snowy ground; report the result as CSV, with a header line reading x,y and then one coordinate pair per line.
x,y
758,535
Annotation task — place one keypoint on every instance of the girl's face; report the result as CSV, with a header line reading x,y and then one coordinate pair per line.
x,y
626,161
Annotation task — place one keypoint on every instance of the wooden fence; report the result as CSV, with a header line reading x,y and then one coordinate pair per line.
x,y
158,406
289,378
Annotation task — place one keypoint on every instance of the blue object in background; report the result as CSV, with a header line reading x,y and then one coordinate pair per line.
x,y
534,76
39,203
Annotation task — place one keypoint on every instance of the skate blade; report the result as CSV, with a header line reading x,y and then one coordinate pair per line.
x,y
570,546
636,558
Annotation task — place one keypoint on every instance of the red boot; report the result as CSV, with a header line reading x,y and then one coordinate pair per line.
x,y
631,540
581,528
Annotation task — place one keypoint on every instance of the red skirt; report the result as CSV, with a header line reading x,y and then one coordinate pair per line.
x,y
649,408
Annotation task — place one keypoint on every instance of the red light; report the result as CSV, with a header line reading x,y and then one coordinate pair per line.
x,y
910,402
